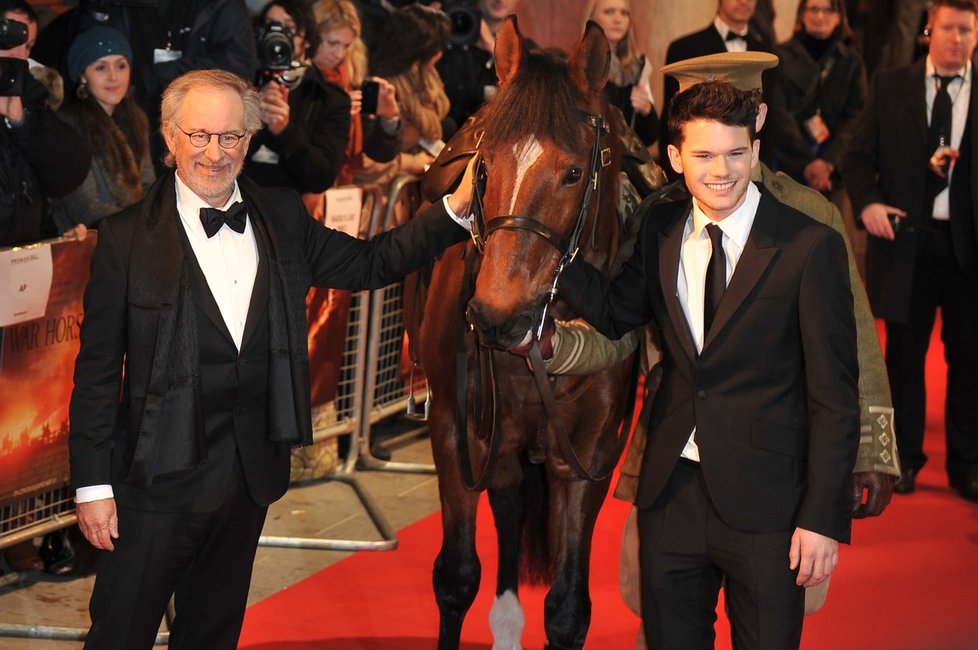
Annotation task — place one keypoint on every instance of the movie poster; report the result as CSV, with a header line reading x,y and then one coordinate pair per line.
x,y
37,359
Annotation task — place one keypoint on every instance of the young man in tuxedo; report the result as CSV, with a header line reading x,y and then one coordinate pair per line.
x,y
192,381
913,181
754,429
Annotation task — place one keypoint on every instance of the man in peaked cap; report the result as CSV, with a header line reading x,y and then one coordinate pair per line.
x,y
579,349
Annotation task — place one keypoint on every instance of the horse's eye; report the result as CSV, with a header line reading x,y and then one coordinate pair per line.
x,y
571,176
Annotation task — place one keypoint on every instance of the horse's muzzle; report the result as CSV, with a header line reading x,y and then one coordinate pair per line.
x,y
498,332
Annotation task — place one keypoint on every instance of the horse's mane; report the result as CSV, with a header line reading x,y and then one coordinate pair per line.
x,y
541,99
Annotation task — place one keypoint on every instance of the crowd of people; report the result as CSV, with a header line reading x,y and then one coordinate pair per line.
x,y
153,110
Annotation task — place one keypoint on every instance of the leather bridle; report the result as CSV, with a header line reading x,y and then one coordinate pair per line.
x,y
567,246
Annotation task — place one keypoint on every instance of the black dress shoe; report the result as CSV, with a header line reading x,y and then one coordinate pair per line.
x,y
967,486
907,482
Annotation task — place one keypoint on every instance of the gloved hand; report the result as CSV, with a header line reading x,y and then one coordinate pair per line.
x,y
879,490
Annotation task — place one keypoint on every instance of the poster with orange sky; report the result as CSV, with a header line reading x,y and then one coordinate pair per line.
x,y
37,359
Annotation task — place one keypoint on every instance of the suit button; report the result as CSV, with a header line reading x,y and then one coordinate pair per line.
x,y
239,410
701,394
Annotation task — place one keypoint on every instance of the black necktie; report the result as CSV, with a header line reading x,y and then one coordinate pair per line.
x,y
716,277
734,36
213,219
939,132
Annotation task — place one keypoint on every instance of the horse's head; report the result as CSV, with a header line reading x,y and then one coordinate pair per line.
x,y
547,180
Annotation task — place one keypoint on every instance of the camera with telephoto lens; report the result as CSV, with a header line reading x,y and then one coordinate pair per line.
x,y
12,70
466,20
276,56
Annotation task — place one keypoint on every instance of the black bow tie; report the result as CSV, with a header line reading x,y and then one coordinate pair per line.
x,y
235,217
734,36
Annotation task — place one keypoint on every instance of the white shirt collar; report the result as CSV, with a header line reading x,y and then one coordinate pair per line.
x,y
725,29
189,205
736,226
964,73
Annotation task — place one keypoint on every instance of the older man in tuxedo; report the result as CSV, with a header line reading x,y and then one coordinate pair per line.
x,y
191,385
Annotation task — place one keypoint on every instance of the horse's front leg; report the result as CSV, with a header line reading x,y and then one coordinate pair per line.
x,y
457,569
574,509
506,619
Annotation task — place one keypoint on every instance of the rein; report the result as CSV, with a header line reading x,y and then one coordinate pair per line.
x,y
567,246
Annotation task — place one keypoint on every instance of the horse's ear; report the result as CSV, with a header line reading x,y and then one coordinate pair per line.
x,y
508,49
591,60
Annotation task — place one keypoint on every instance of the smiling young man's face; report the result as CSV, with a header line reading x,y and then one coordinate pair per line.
x,y
716,161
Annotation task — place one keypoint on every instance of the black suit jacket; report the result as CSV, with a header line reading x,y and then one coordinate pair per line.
x,y
773,394
839,98
142,338
887,163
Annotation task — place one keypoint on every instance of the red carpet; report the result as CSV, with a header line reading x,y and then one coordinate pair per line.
x,y
908,582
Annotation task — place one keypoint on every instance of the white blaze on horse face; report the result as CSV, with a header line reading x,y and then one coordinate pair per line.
x,y
527,154
506,621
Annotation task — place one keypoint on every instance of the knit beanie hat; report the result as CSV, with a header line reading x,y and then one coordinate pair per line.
x,y
91,45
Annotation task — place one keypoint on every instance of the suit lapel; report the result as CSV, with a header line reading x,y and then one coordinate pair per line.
x,y
670,246
759,251
259,294
202,295
717,44
918,109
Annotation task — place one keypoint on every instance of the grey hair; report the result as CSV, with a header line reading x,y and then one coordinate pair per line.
x,y
176,92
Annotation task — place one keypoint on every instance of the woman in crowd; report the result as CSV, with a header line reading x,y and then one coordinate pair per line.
x,y
341,58
103,111
823,86
413,41
628,85
306,118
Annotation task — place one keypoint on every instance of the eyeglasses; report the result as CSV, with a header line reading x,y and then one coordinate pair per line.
x,y
201,139
825,11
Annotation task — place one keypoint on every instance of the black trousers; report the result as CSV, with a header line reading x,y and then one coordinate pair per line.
x,y
203,559
686,552
938,282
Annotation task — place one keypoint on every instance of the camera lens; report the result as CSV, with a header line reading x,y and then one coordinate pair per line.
x,y
277,50
465,23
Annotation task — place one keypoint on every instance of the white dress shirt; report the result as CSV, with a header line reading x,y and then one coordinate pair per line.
x,y
733,45
694,261
229,261
960,93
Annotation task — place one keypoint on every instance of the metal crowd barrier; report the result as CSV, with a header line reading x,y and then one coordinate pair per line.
x,y
346,417
386,393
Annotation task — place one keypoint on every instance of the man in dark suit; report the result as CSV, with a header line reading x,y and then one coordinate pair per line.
x,y
729,32
914,184
191,384
755,425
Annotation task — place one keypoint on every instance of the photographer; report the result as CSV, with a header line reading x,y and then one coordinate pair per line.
x,y
40,156
307,119
375,127
467,67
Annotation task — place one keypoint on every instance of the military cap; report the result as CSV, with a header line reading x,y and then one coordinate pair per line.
x,y
741,69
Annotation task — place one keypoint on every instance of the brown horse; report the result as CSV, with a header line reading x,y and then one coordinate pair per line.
x,y
548,162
